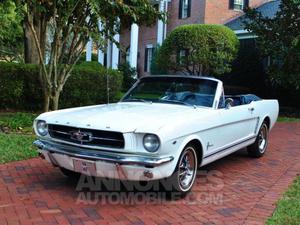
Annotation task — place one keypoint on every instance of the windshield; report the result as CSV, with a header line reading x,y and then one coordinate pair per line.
x,y
174,90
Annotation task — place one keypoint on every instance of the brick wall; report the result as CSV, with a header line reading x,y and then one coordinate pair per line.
x,y
218,12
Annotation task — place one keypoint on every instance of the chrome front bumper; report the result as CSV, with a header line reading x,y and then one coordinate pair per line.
x,y
96,155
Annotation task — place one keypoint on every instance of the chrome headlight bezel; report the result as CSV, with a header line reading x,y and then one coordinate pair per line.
x,y
151,142
41,127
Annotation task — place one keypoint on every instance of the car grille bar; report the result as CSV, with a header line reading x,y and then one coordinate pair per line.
x,y
88,137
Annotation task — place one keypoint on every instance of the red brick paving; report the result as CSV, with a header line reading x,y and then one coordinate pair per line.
x,y
233,190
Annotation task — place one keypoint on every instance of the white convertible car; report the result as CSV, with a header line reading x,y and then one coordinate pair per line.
x,y
165,127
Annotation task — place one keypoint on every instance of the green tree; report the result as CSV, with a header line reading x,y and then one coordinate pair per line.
x,y
11,33
198,49
279,38
65,27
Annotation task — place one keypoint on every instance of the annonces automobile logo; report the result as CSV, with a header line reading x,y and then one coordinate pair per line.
x,y
82,136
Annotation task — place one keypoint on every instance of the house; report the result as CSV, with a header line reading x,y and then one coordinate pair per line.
x,y
138,42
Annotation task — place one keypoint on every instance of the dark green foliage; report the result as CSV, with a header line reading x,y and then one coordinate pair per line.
x,y
249,75
11,32
87,85
17,122
209,49
155,68
279,37
129,76
82,58
20,89
247,70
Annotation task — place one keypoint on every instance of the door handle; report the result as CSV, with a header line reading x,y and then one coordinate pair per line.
x,y
251,109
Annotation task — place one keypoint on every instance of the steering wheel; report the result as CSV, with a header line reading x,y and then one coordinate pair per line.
x,y
189,96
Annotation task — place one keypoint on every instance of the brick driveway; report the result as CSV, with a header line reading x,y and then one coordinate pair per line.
x,y
233,190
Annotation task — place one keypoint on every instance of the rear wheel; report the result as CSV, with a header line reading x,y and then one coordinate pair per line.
x,y
183,178
259,147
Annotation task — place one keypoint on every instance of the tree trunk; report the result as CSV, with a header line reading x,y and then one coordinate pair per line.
x,y
46,102
55,100
30,50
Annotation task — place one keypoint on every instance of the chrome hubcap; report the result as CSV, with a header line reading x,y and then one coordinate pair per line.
x,y
263,138
187,169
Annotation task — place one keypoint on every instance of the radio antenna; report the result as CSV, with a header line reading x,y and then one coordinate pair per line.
x,y
107,87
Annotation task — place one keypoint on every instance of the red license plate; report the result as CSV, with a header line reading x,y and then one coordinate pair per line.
x,y
85,167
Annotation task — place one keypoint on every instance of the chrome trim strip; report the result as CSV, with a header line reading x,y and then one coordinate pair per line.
x,y
92,137
228,147
107,157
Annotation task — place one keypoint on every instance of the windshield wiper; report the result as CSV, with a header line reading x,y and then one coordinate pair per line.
x,y
178,102
136,100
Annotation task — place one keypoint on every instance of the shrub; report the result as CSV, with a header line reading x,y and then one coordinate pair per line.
x,y
198,49
155,68
88,85
129,75
20,88
16,121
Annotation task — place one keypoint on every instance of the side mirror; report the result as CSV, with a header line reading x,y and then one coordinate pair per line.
x,y
228,103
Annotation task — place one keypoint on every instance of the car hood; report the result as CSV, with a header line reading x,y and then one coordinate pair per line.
x,y
122,117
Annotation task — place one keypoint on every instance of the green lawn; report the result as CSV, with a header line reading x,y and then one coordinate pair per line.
x,y
288,207
288,119
14,147
17,122
16,142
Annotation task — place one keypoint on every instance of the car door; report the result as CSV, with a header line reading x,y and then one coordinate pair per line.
x,y
238,124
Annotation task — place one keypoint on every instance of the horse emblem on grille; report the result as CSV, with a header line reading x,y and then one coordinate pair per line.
x,y
80,136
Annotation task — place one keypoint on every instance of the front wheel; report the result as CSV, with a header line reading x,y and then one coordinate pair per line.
x,y
70,174
183,178
258,148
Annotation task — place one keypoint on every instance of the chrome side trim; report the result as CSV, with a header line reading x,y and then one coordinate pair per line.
x,y
101,156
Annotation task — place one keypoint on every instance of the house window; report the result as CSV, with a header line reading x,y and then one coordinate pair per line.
x,y
148,58
182,54
184,9
239,4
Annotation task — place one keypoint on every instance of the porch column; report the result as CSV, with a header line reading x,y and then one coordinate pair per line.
x,y
134,42
108,54
89,50
100,52
115,53
161,26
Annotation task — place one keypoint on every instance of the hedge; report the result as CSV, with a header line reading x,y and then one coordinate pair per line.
x,y
20,88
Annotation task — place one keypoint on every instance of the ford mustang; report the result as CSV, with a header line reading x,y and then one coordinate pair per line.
x,y
165,127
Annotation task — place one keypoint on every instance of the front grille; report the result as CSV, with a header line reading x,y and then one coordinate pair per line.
x,y
88,137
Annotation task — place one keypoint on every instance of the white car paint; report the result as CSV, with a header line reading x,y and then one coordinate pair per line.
x,y
219,131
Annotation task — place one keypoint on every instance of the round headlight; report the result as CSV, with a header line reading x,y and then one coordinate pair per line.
x,y
42,128
151,142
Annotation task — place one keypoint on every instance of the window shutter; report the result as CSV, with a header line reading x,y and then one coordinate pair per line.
x,y
189,8
180,9
231,4
146,60
246,4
